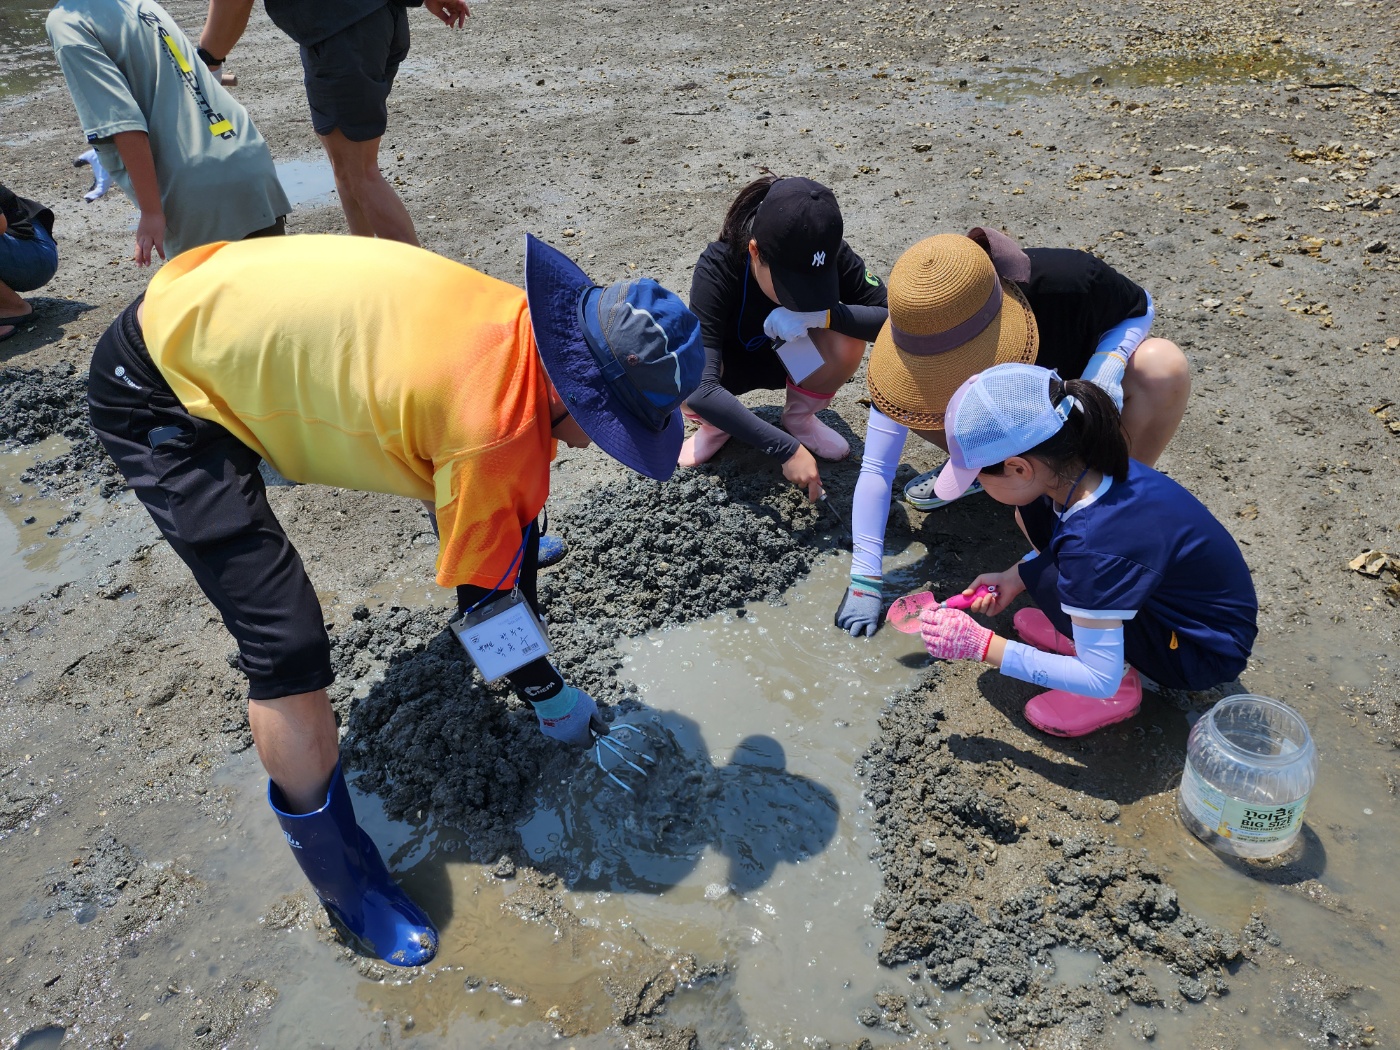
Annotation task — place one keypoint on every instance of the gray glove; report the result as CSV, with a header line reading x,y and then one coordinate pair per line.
x,y
570,717
859,611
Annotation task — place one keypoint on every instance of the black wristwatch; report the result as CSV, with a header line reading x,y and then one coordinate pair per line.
x,y
209,60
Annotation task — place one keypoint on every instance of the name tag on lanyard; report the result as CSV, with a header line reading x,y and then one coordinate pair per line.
x,y
502,637
799,356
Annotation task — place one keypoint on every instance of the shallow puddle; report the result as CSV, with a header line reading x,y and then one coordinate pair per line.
x,y
41,1038
1333,896
26,61
760,862
308,181
1275,62
764,868
1010,84
46,542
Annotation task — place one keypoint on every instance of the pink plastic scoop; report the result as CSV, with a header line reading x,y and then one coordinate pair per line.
x,y
904,613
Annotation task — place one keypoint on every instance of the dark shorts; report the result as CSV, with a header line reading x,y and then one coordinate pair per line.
x,y
28,263
746,370
349,75
1148,644
202,488
1069,363
277,229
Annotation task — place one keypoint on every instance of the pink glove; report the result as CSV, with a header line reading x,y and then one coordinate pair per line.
x,y
951,634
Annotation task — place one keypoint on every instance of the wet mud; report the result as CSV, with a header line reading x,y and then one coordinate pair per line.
x,y
1237,159
40,403
432,737
988,871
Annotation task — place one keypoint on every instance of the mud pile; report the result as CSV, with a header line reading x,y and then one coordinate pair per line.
x,y
648,554
988,868
431,737
41,403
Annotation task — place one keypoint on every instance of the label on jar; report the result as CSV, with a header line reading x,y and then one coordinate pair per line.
x,y
1230,818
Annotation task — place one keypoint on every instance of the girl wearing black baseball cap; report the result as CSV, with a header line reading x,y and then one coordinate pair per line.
x,y
783,302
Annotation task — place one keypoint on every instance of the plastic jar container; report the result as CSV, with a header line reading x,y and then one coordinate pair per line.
x,y
1250,766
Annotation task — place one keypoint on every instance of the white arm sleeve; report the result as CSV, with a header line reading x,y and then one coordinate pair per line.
x,y
870,512
1096,671
1125,336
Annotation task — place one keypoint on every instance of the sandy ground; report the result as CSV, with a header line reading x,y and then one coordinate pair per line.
x,y
1238,159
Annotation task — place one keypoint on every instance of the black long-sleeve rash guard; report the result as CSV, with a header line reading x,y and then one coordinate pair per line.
x,y
739,357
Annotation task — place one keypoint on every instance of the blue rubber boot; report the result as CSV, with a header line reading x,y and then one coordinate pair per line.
x,y
351,880
552,551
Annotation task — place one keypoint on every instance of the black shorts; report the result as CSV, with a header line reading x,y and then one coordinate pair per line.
x,y
349,74
1069,363
746,370
202,487
1148,644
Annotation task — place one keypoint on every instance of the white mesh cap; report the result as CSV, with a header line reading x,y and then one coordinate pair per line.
x,y
1001,412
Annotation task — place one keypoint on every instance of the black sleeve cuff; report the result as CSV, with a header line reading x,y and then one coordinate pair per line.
x,y
536,681
859,322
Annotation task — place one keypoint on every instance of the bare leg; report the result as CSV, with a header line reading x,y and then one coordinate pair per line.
x,y
1156,387
842,355
1022,526
298,744
372,208
935,437
11,305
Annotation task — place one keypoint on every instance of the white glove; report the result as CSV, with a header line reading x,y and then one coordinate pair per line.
x,y
784,324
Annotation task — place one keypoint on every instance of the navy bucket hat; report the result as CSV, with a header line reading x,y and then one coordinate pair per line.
x,y
623,357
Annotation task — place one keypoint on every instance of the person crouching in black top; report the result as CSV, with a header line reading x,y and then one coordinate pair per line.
x,y
783,301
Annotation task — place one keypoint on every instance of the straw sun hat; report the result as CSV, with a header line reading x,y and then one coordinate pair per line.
x,y
951,316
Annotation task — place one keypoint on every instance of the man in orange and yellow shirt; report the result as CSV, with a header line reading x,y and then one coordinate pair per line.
x,y
372,365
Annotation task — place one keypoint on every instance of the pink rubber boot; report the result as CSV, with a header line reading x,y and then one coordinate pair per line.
x,y
703,444
1067,714
1035,629
800,420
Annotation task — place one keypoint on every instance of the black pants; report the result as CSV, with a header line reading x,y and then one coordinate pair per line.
x,y
1148,644
202,488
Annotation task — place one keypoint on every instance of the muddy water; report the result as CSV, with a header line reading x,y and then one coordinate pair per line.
x,y
1333,897
1276,63
775,881
308,181
771,877
780,705
45,543
772,709
25,59
329,1004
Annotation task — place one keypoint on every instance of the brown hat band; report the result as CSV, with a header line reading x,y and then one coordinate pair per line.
x,y
932,343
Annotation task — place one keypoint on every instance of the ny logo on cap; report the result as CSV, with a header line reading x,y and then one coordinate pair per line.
x,y
818,259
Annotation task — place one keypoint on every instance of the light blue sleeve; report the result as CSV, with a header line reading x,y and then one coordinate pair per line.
x,y
1125,336
1096,670
1110,360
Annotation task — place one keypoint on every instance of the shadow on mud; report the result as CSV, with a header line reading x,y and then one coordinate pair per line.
x,y
1107,765
45,326
647,834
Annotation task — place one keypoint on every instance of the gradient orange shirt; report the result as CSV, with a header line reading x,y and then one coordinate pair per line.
x,y
367,364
